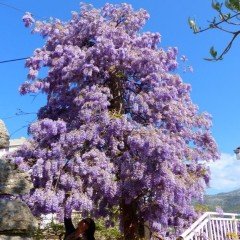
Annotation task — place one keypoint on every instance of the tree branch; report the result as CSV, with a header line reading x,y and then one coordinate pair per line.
x,y
227,19
224,30
227,48
213,25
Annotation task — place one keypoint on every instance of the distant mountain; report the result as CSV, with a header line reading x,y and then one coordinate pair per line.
x,y
229,202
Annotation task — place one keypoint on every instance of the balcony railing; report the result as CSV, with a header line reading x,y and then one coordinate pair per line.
x,y
214,226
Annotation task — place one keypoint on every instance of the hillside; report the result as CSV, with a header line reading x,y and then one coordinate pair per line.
x,y
229,202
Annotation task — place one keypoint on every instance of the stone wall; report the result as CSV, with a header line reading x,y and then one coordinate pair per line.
x,y
16,220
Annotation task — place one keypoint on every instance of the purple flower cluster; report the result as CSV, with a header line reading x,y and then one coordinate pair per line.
x,y
88,155
28,19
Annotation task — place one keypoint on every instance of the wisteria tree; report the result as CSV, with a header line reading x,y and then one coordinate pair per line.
x,y
119,130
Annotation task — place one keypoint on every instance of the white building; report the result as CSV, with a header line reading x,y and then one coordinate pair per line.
x,y
14,144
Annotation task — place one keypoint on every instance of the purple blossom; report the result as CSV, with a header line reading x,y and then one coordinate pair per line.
x,y
28,19
190,68
183,58
117,124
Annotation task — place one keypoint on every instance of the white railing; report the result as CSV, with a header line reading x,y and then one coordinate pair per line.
x,y
214,226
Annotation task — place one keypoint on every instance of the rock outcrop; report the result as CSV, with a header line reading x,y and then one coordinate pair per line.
x,y
16,219
4,136
13,181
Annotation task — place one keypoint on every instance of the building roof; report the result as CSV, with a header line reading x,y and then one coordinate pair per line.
x,y
17,142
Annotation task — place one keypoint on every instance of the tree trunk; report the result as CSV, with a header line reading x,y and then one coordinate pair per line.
x,y
133,226
116,87
129,221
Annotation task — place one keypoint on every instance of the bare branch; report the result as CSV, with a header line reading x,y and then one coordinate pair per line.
x,y
223,16
227,48
214,25
224,30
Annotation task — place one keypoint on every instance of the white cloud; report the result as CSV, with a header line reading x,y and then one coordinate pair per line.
x,y
225,174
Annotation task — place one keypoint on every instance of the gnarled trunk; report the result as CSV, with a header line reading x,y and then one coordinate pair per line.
x,y
133,228
116,88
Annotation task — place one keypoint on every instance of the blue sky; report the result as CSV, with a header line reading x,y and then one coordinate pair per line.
x,y
215,85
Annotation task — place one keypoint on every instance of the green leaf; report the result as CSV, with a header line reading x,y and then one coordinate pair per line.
x,y
192,24
225,16
227,5
213,52
216,5
233,5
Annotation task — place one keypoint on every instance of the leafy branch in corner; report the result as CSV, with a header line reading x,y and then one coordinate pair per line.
x,y
228,21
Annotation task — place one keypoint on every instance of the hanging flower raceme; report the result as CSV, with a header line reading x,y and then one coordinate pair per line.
x,y
119,127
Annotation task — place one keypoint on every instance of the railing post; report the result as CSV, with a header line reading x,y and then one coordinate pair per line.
x,y
209,226
235,224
